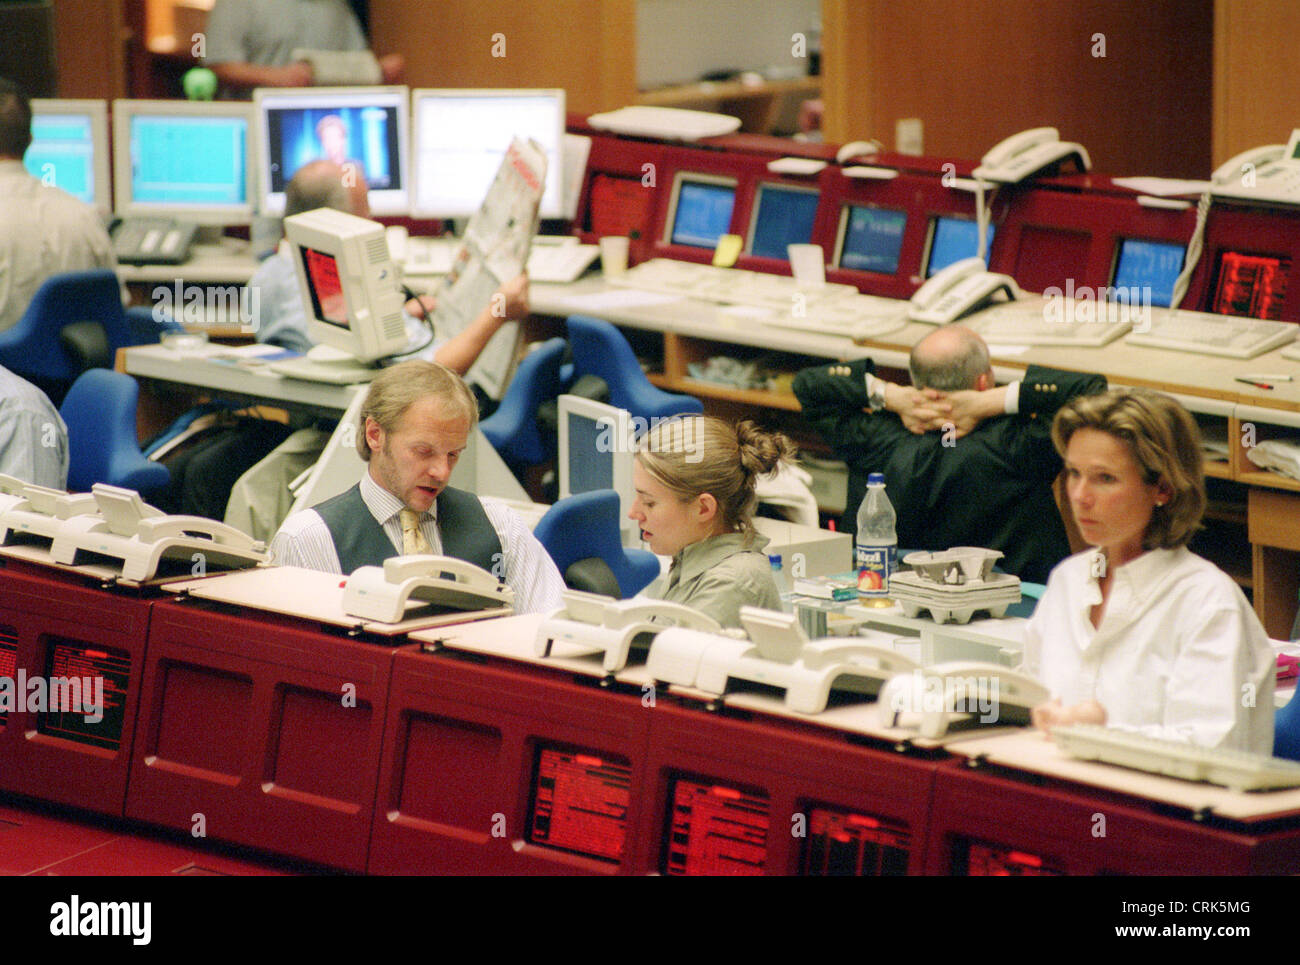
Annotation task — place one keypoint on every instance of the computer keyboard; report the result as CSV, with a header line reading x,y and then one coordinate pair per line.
x,y
1238,770
560,264
1033,320
334,373
1224,335
729,286
859,317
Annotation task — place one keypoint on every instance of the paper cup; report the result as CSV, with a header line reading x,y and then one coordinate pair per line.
x,y
613,255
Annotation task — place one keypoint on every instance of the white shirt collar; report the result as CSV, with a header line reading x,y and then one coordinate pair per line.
x,y
383,505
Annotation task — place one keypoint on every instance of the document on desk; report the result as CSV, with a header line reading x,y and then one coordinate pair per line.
x,y
493,251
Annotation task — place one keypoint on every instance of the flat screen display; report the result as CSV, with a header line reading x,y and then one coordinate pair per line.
x,y
873,237
784,216
703,213
951,240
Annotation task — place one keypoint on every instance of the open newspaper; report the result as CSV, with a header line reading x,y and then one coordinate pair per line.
x,y
493,251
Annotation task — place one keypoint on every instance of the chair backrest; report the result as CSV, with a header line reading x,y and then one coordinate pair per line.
x,y
99,411
512,428
586,526
600,349
1286,730
33,347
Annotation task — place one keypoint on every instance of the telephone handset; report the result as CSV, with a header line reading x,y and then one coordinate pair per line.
x,y
1028,153
959,689
1269,173
152,241
383,593
615,626
958,290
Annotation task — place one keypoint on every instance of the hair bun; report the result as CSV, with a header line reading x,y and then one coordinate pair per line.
x,y
761,452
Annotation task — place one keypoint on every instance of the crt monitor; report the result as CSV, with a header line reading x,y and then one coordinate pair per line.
x,y
699,211
461,137
783,216
1147,270
363,129
596,450
348,283
69,149
951,240
183,159
870,238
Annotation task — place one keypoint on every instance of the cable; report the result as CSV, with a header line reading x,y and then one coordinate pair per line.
x,y
1194,248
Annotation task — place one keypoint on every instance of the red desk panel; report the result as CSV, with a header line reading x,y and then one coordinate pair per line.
x,y
261,731
65,758
1077,830
815,785
461,745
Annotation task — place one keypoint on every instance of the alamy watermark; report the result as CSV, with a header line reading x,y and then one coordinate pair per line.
x,y
678,435
930,694
200,305
1106,305
41,695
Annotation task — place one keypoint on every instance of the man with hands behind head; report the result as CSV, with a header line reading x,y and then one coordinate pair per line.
x,y
967,462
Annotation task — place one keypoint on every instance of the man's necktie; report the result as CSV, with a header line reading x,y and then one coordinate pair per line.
x,y
413,540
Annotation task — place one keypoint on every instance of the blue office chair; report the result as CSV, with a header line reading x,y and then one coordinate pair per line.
x,y
75,322
600,349
1286,729
102,445
513,429
582,535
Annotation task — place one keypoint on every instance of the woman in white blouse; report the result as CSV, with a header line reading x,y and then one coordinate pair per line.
x,y
1138,632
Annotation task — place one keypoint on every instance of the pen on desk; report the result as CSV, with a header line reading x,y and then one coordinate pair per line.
x,y
1258,385
1268,377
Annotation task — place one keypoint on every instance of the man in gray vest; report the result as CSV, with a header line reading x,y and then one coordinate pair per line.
x,y
415,423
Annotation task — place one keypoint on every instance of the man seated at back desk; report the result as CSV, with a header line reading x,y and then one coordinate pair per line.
x,y
283,318
966,462
415,422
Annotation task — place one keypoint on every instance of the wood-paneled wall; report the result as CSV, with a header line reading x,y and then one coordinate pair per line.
x,y
975,71
90,44
588,47
1256,100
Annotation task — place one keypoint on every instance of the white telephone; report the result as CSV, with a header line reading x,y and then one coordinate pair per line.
x,y
384,593
143,537
1269,174
960,690
958,290
778,655
1028,153
615,626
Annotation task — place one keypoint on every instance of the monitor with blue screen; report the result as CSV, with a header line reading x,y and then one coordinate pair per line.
x,y
783,216
183,159
1148,270
951,240
596,450
364,130
870,238
69,149
699,211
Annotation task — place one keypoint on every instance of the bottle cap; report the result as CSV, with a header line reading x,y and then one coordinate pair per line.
x,y
775,561
876,479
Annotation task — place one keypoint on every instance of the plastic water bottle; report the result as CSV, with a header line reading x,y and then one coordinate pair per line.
x,y
876,545
783,585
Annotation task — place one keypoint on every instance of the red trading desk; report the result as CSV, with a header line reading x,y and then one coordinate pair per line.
x,y
461,741
1003,820
501,767
266,726
54,623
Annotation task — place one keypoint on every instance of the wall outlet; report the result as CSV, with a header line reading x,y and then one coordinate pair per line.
x,y
908,136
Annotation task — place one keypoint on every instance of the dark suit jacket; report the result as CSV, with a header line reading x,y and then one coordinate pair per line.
x,y
989,488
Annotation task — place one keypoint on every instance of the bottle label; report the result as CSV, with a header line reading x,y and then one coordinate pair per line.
x,y
874,565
